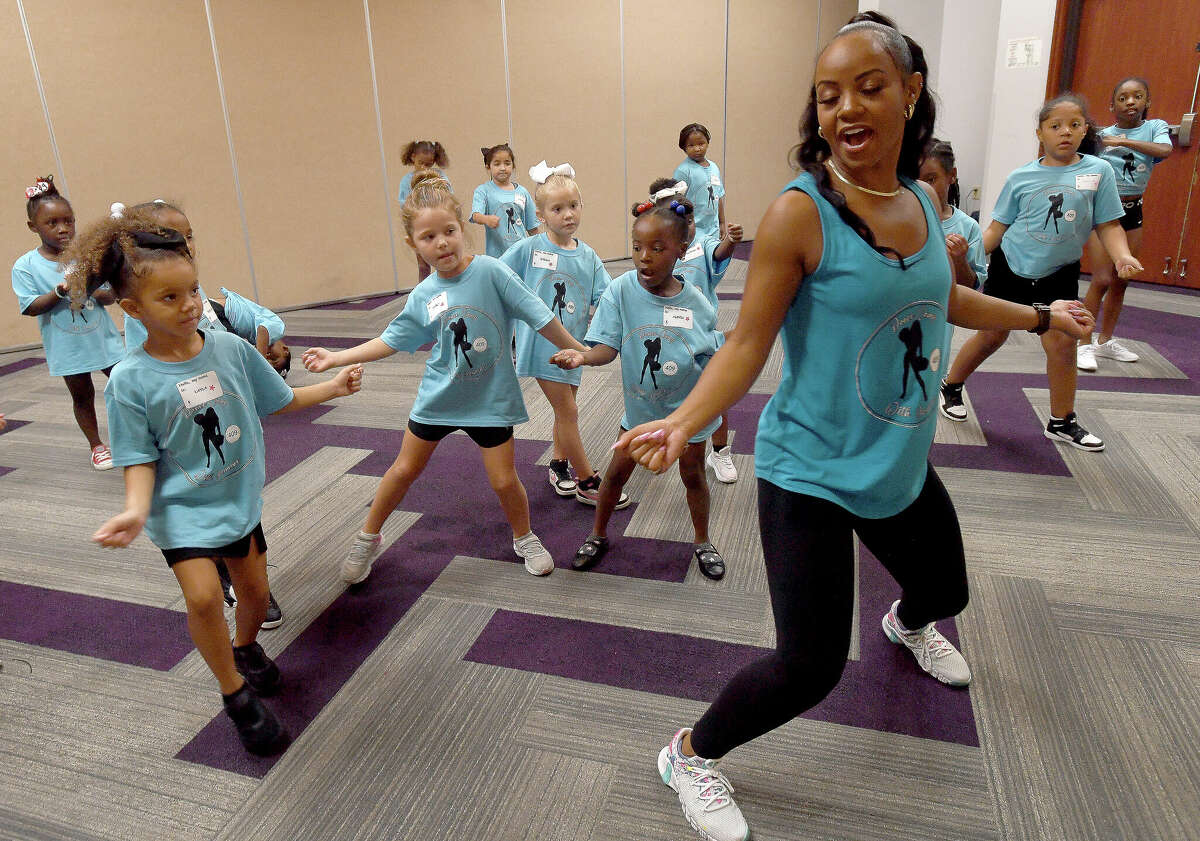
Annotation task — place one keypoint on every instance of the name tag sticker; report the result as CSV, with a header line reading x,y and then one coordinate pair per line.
x,y
519,201
695,251
714,179
210,313
437,305
545,260
1090,181
677,317
199,390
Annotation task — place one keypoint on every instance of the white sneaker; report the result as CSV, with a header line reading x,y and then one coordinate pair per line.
x,y
102,457
721,461
1112,349
363,552
1085,357
537,559
704,793
933,651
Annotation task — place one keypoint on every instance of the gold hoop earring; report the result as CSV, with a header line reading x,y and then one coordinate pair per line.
x,y
820,132
910,110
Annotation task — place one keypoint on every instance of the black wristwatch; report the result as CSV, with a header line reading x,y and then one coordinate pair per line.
x,y
1043,314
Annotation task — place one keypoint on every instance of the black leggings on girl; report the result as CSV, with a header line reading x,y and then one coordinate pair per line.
x,y
809,555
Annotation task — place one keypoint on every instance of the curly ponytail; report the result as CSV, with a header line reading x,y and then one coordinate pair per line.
x,y
118,251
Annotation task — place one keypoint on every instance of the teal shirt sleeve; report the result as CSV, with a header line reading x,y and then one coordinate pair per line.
x,y
719,267
128,425
246,316
26,288
479,200
1107,203
1007,207
517,257
531,220
410,328
605,328
600,279
975,254
271,393
520,300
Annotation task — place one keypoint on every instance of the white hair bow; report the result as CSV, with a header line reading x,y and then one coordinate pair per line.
x,y
116,210
539,172
680,189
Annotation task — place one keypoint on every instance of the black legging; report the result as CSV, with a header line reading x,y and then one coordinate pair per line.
x,y
809,555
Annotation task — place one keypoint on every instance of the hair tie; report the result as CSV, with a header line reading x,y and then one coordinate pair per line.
x,y
679,208
680,189
40,186
116,210
643,207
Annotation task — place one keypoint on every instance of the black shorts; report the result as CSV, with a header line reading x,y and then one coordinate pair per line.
x,y
485,436
1061,284
240,548
1132,220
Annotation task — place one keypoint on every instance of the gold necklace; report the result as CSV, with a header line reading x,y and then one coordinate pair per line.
x,y
829,162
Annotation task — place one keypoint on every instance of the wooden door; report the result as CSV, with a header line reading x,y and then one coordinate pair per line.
x,y
1158,42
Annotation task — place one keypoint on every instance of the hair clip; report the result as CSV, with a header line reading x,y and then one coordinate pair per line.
x,y
643,207
540,172
40,186
680,189
679,208
116,210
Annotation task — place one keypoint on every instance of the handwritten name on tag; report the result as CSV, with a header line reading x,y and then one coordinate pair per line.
x,y
437,305
545,260
199,390
677,317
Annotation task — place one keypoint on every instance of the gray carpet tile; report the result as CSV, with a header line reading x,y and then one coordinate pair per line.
x,y
806,780
88,744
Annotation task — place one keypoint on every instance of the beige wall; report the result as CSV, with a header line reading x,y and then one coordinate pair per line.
x,y
132,91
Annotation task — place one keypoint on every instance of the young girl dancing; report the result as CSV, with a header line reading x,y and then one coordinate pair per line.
x,y
703,178
649,314
184,413
704,264
1039,226
77,341
569,278
846,257
466,307
421,154
1133,145
504,208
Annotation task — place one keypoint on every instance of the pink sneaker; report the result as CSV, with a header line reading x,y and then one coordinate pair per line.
x,y
101,457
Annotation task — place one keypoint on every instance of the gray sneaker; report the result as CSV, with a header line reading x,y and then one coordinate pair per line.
x,y
537,559
363,552
934,653
705,794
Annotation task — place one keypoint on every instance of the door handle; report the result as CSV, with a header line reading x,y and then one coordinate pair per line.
x,y
1167,267
1183,269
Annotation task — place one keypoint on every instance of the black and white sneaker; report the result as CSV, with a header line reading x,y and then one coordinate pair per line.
x,y
950,402
1069,430
274,617
561,480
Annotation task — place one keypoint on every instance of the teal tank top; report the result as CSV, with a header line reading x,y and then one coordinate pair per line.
x,y
854,416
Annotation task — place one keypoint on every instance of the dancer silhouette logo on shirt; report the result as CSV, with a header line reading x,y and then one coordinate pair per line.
x,y
712,197
1055,210
560,299
210,433
461,342
653,349
1127,171
913,360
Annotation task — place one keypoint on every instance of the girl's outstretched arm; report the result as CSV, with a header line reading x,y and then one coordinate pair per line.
x,y
600,354
970,308
559,337
1112,237
120,531
317,359
733,235
348,381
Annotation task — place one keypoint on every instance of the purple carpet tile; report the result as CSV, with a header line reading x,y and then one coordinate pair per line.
x,y
136,634
741,250
729,296
335,342
884,690
12,425
21,365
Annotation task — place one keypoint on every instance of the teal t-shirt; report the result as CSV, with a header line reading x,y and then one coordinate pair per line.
x,y
406,184
854,415
705,191
701,269
246,316
515,208
1133,168
967,228
135,333
1051,210
469,379
75,342
569,282
198,421
664,345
